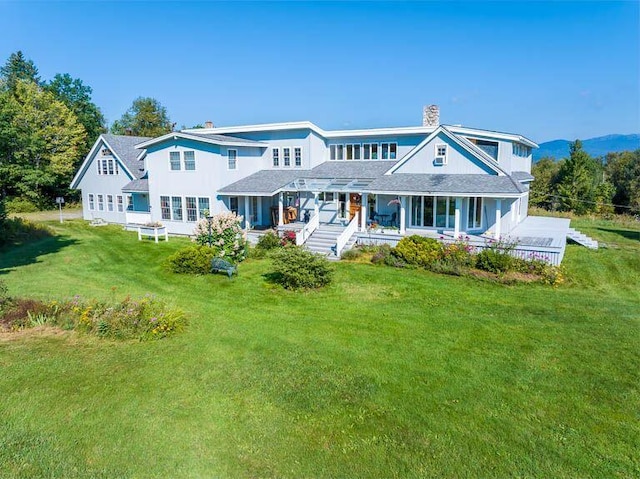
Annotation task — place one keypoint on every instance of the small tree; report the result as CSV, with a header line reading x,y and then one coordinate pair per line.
x,y
225,234
298,268
146,117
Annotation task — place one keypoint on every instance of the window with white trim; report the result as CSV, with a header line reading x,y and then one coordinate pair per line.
x,y
332,152
105,152
275,155
129,202
110,202
189,160
389,151
174,160
286,157
192,210
100,203
176,208
203,207
297,157
441,155
92,205
232,162
165,208
120,203
326,196
474,213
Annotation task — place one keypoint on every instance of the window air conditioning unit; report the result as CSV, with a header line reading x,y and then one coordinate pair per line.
x,y
439,160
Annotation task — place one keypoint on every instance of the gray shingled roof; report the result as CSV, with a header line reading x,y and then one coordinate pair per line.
x,y
462,184
352,169
124,147
264,181
522,176
136,186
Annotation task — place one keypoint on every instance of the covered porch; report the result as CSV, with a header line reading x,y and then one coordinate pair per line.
x,y
138,209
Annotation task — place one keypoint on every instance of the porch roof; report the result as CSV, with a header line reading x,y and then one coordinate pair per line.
x,y
466,184
522,176
263,182
136,186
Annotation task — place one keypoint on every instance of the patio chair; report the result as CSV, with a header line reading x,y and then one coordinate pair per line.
x,y
394,219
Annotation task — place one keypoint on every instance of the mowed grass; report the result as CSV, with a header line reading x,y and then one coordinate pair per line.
x,y
387,373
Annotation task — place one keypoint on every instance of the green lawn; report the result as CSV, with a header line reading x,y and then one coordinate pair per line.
x,y
387,373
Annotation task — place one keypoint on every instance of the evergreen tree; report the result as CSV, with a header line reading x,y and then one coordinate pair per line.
x,y
18,68
543,187
623,170
579,177
146,117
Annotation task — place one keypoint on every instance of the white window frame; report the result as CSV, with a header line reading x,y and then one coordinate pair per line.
x,y
110,203
275,157
92,203
441,154
297,157
332,152
171,162
105,152
193,210
165,211
120,203
471,206
201,211
174,208
232,163
286,157
100,202
129,202
184,160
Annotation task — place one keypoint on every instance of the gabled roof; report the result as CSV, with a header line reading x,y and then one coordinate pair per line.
x,y
212,138
461,141
464,184
123,149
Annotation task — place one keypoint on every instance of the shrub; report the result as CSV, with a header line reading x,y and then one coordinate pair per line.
x,y
351,254
418,250
494,260
288,238
227,237
192,260
269,241
17,231
299,268
383,254
145,318
20,205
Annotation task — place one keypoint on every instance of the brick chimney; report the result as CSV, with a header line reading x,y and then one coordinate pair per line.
x,y
208,124
431,115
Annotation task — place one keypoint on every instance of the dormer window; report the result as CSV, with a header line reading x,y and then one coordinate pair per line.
x,y
441,155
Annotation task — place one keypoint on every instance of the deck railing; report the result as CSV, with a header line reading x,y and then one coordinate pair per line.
x,y
348,232
138,217
307,230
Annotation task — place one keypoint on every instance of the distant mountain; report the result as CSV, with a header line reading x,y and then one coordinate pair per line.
x,y
599,146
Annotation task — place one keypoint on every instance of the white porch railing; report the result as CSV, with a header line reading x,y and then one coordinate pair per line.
x,y
348,232
309,228
138,217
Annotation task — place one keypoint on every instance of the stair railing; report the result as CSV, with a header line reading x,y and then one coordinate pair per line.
x,y
348,232
303,235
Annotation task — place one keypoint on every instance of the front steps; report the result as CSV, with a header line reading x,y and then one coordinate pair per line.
x,y
323,240
581,239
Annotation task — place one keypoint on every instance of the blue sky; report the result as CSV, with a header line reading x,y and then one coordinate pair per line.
x,y
545,70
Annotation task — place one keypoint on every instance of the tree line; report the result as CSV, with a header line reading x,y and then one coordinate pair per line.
x,y
47,128
583,184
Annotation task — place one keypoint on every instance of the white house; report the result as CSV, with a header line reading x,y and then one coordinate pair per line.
x,y
431,179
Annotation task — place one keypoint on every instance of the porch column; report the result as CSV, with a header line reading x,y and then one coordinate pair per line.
x,y
456,228
403,214
498,218
280,209
363,212
259,201
316,204
247,221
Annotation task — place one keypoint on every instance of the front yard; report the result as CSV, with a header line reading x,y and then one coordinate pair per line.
x,y
386,373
